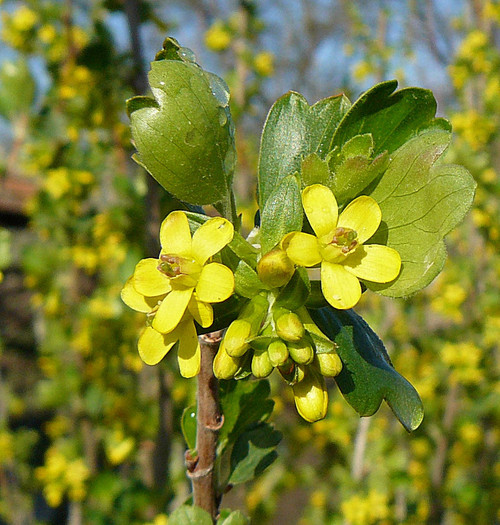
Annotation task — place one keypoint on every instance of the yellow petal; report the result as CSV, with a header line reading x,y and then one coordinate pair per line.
x,y
153,346
340,288
211,237
321,208
202,312
303,249
374,262
175,235
171,310
138,302
216,283
189,350
362,215
148,280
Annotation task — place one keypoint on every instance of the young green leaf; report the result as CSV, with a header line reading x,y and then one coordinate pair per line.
x,y
184,136
392,117
420,204
292,131
282,213
189,514
367,375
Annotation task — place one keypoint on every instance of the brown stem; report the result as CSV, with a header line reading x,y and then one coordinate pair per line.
x,y
209,422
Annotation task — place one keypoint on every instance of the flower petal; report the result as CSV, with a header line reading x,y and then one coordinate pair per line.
x,y
189,353
340,288
321,208
171,310
203,313
374,262
211,237
153,346
175,235
138,302
362,215
148,280
303,249
216,283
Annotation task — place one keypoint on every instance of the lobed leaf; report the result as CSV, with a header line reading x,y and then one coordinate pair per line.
x,y
367,375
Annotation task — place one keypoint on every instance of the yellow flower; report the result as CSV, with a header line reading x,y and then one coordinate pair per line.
x,y
339,245
264,63
179,287
217,38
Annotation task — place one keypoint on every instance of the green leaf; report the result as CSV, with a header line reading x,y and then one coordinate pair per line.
x,y
296,291
253,451
420,204
315,170
186,514
282,213
246,281
392,117
5,248
17,88
292,131
188,426
184,136
232,518
367,375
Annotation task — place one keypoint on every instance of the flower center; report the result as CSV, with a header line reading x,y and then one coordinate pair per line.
x,y
337,245
182,270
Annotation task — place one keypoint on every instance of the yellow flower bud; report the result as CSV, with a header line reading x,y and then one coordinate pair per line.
x,y
288,325
329,364
278,353
236,336
225,366
301,352
311,396
261,364
275,268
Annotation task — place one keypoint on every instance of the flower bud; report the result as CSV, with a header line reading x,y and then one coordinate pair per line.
x,y
301,352
261,364
329,364
288,325
236,336
278,353
275,268
225,366
311,396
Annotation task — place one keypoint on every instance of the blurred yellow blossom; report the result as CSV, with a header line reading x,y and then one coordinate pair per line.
x,y
366,510
264,63
476,129
217,38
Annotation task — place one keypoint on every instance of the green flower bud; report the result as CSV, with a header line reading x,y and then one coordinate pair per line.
x,y
288,325
278,353
225,366
301,352
329,365
311,396
235,340
275,268
261,364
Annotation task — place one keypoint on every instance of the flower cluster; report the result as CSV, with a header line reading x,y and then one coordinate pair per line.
x,y
178,288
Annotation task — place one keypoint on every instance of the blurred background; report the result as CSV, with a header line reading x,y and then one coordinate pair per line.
x,y
88,434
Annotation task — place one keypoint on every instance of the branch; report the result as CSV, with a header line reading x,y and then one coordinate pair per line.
x,y
209,422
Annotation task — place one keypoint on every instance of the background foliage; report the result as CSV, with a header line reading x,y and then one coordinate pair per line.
x,y
88,434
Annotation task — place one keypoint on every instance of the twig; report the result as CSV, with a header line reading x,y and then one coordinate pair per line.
x,y
209,422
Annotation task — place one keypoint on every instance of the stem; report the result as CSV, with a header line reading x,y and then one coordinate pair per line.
x,y
209,422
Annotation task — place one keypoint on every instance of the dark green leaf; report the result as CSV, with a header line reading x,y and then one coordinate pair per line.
x,y
391,117
188,425
292,131
187,515
420,204
282,213
253,451
296,291
367,376
184,135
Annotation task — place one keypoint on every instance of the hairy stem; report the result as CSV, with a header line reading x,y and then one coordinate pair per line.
x,y
209,422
